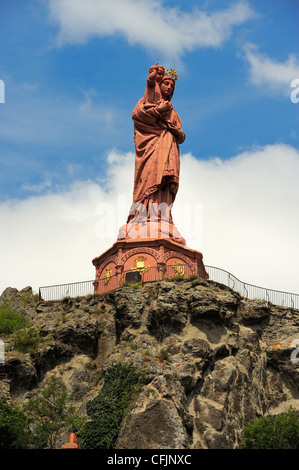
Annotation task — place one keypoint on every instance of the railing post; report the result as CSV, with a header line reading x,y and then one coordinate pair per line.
x,y
268,297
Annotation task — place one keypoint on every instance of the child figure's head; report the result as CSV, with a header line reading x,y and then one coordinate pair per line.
x,y
160,71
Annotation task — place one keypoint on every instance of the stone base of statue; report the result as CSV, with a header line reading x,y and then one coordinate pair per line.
x,y
145,260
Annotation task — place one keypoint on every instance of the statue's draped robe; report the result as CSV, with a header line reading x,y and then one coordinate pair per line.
x,y
157,169
157,155
157,166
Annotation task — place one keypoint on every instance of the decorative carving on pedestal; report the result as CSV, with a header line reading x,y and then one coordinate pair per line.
x,y
107,275
136,251
141,265
179,268
175,254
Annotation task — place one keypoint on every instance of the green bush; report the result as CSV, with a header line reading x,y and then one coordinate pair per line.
x,y
11,322
76,423
178,277
164,355
107,410
26,340
273,432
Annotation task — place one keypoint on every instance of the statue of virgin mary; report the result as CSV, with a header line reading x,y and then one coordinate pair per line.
x,y
157,134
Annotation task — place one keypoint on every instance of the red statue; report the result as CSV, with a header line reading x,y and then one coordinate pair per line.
x,y
157,135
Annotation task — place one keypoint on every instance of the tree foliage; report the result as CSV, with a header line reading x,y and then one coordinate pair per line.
x,y
14,426
49,412
273,432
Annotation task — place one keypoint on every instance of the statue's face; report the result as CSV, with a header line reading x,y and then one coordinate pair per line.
x,y
166,88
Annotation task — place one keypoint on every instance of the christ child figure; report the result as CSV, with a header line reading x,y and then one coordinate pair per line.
x,y
152,92
154,101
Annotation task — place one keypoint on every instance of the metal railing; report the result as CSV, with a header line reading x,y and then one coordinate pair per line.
x,y
249,291
62,291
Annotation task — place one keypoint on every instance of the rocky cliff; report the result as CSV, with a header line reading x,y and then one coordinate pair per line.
x,y
213,359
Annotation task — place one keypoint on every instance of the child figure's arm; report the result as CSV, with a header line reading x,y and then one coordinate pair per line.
x,y
151,79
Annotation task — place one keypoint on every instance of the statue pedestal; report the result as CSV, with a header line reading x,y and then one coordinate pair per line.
x,y
145,260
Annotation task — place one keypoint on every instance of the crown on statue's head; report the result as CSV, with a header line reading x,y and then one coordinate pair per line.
x,y
172,73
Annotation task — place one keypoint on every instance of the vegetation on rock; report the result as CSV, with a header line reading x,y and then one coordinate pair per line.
x,y
36,424
273,432
123,383
49,413
14,426
11,321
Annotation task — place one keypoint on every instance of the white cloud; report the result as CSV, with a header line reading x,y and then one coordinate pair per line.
x,y
52,239
270,73
147,23
250,206
250,224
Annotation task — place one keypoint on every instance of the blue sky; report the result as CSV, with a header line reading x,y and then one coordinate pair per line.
x,y
73,71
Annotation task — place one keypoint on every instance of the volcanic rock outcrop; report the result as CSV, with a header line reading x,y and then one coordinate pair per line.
x,y
213,360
